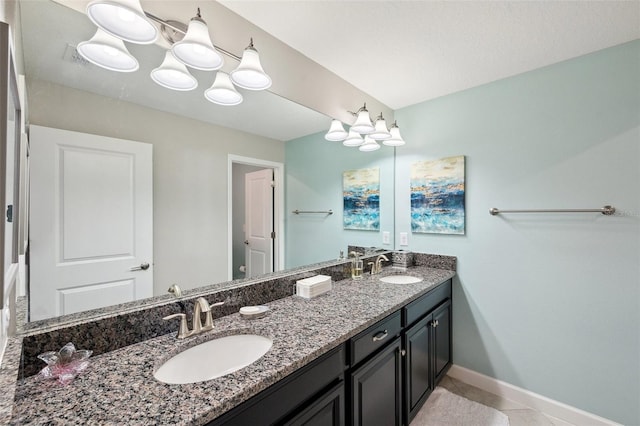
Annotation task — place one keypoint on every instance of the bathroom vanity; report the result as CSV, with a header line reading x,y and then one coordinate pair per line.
x,y
365,350
380,376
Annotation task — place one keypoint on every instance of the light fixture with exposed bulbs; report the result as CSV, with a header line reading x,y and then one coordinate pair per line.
x,y
191,46
364,127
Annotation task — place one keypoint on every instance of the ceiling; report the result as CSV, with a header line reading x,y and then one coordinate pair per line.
x,y
397,52
51,31
406,52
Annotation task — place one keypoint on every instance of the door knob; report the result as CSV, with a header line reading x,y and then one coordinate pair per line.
x,y
143,267
246,242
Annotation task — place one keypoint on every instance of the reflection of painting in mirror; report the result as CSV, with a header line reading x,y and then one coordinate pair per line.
x,y
437,196
361,198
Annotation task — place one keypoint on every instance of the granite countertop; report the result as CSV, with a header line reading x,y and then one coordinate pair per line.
x,y
119,386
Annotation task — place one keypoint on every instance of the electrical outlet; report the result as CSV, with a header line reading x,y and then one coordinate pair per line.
x,y
386,237
404,239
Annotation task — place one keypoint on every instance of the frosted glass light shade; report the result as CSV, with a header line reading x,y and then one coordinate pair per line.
x,y
369,145
124,19
336,132
196,49
222,92
396,139
380,132
354,139
172,74
363,123
249,74
109,52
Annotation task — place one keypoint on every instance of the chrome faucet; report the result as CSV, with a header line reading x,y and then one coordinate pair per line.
x,y
201,305
376,267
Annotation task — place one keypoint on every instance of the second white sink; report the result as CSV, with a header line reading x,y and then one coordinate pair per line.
x,y
214,358
400,279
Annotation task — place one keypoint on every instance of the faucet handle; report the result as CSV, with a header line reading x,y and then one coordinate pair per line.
x,y
208,321
373,267
183,331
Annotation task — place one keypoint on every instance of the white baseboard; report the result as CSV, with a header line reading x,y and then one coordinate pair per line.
x,y
533,400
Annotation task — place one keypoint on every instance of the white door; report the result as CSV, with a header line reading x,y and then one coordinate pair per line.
x,y
91,222
259,222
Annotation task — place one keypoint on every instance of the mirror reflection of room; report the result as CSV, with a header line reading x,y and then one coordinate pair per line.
x,y
163,207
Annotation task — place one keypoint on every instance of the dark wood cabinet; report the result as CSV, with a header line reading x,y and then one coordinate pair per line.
x,y
418,366
293,395
382,376
376,389
427,357
441,341
327,410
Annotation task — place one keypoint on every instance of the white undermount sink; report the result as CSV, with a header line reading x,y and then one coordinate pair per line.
x,y
214,358
400,279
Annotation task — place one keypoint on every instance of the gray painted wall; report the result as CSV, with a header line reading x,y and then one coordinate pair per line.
x,y
189,178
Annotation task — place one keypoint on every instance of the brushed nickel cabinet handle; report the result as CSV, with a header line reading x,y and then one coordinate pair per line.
x,y
380,335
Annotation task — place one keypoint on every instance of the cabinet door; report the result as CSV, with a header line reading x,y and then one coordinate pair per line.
x,y
286,397
328,410
442,340
376,389
418,365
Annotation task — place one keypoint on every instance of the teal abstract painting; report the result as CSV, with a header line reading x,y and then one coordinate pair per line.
x,y
361,199
437,196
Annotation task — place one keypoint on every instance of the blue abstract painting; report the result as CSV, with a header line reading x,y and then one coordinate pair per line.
x,y
437,196
361,195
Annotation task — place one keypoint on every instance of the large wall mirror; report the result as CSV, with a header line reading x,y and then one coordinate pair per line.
x,y
11,153
87,124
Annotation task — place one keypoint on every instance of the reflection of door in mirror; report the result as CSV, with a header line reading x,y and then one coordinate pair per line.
x,y
258,222
91,222
255,215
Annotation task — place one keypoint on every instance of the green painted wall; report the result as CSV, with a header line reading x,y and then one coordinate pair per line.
x,y
550,303
313,180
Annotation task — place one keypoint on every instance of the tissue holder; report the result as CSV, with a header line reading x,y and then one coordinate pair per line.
x,y
313,286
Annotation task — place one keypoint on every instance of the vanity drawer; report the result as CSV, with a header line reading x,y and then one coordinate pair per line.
x,y
374,337
425,303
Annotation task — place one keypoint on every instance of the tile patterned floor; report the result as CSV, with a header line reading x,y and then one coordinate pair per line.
x,y
518,414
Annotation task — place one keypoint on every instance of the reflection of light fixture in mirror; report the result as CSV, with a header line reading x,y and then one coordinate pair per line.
x,y
336,132
354,139
249,74
191,46
363,122
396,139
107,51
222,92
172,74
124,19
369,145
196,49
381,132
389,137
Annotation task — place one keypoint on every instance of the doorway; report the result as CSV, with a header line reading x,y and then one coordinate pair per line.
x,y
238,210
